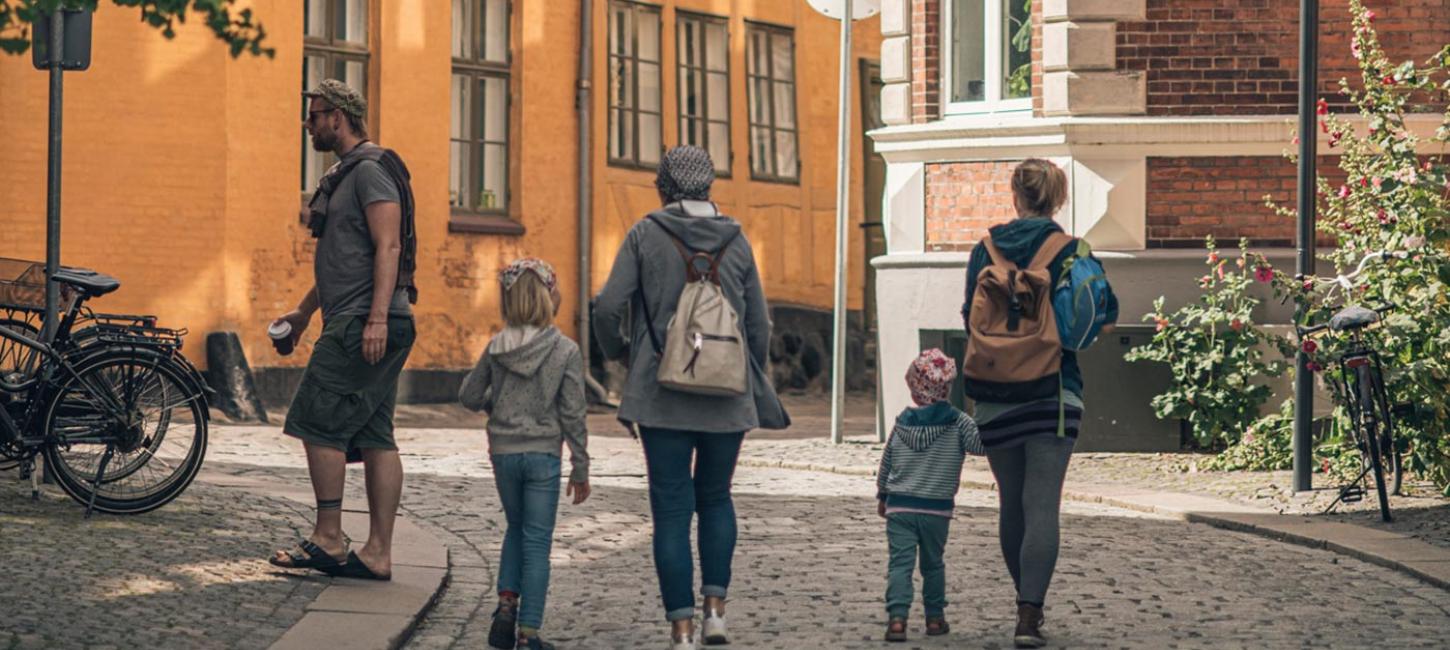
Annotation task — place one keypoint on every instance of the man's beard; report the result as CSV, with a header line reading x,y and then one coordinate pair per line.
x,y
324,142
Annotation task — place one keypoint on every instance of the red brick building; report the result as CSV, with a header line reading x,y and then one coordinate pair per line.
x,y
1170,117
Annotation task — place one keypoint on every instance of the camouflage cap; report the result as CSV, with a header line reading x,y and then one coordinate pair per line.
x,y
341,96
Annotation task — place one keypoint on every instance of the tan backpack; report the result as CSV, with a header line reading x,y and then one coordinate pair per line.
x,y
704,350
1014,353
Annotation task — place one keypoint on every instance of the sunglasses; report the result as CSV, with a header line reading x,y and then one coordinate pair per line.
x,y
312,115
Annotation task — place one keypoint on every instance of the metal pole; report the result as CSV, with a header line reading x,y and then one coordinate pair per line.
x,y
584,98
1308,141
56,53
843,218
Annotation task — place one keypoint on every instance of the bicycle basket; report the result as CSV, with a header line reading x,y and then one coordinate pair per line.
x,y
22,284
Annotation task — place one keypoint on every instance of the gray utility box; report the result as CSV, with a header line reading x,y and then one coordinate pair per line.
x,y
1119,414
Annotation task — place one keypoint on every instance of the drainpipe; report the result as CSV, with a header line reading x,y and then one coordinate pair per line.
x,y
583,103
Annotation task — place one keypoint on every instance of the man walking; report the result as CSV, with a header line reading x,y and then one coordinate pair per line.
x,y
362,217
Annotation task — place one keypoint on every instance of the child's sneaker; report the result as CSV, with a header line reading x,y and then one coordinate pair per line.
x,y
501,634
937,626
687,643
896,629
715,628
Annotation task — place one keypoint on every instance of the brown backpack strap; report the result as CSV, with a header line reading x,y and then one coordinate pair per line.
x,y
1050,249
997,258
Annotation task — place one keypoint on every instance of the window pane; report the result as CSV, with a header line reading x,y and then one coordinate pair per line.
x,y
649,86
352,21
760,154
621,91
458,165
720,146
496,31
784,105
759,98
785,154
495,178
690,100
968,83
316,12
495,110
1017,46
755,60
314,70
781,57
461,127
717,46
619,38
649,138
719,96
462,35
621,134
648,25
689,45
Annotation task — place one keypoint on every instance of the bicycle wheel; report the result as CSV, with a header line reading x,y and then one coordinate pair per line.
x,y
14,357
1369,427
1389,449
140,404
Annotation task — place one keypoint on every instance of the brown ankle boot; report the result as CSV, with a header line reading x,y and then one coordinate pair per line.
x,y
1029,627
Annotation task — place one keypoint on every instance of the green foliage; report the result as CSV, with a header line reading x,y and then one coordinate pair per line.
x,y
1019,81
238,29
1216,352
1394,199
1267,444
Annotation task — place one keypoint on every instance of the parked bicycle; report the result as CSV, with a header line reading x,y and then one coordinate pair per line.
x,y
1360,380
118,414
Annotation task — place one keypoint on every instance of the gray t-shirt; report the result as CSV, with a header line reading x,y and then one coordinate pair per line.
x,y
344,263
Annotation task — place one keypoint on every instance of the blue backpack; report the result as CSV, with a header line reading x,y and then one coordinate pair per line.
x,y
1080,299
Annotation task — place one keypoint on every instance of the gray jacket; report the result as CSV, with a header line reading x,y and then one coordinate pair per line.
x,y
531,384
619,325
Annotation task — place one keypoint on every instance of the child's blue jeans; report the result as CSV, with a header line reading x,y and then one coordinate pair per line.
x,y
528,487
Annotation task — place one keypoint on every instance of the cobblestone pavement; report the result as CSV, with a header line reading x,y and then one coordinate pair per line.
x,y
185,576
809,568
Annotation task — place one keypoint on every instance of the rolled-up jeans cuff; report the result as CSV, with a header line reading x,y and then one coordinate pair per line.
x,y
713,591
681,614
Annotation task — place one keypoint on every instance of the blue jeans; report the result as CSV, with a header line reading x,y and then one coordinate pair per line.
x,y
528,487
675,495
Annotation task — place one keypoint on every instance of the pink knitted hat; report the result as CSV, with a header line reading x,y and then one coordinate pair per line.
x,y
930,377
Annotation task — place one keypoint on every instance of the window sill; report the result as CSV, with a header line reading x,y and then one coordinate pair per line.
x,y
776,180
484,224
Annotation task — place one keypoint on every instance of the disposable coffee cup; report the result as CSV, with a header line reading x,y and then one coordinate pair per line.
x,y
281,333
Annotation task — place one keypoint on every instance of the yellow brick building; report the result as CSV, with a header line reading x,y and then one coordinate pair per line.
x,y
184,168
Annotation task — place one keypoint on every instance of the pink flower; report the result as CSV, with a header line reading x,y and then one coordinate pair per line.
x,y
1213,257
1415,241
1240,262
1370,15
1308,285
1377,182
1383,216
1205,281
1309,346
1324,465
1389,80
1264,274
1162,323
1313,366
1248,437
1322,107
1296,139
1219,271
1236,325
1354,49
1343,191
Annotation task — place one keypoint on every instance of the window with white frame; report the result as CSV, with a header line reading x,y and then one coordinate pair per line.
x,y
774,136
334,46
636,108
987,60
479,129
703,58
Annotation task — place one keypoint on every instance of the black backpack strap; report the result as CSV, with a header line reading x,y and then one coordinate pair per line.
x,y
649,321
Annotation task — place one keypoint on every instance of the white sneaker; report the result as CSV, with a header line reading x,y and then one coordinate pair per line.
x,y
715,629
687,643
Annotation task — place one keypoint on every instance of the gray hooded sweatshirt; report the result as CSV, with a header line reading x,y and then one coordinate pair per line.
x,y
649,263
531,384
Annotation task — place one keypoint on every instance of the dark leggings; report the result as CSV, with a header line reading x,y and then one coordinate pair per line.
x,y
1029,484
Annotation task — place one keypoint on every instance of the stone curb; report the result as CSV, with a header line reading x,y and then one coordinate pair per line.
x,y
1391,550
362,614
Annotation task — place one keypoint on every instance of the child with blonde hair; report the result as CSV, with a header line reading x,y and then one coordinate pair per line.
x,y
530,381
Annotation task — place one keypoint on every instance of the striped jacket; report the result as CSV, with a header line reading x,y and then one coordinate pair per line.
x,y
921,467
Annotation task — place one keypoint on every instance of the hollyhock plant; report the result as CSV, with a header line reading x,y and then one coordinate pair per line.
x,y
1404,207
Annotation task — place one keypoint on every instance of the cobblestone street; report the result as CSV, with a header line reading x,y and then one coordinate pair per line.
x,y
809,569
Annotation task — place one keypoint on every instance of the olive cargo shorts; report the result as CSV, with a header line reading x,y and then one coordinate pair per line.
x,y
343,401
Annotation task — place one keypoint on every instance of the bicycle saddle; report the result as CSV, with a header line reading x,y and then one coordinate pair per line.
x,y
91,283
1353,318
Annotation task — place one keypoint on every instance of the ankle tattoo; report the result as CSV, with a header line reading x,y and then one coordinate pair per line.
x,y
329,504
